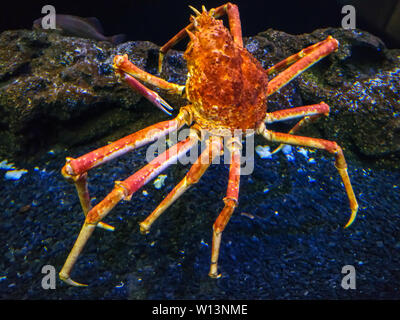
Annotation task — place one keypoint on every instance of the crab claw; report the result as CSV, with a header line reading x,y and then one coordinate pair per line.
x,y
162,104
150,95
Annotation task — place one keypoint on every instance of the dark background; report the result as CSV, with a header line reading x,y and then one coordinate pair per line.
x,y
159,20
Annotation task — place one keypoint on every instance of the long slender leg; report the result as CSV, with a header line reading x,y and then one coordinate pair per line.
x,y
234,24
330,146
298,112
75,170
230,200
150,95
125,67
126,144
304,60
310,114
293,58
303,122
123,190
81,186
214,148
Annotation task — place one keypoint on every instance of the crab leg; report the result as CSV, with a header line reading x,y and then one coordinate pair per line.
x,y
232,11
234,24
75,170
123,190
299,63
124,145
123,65
150,95
306,120
330,146
293,58
310,114
230,201
214,148
288,114
81,186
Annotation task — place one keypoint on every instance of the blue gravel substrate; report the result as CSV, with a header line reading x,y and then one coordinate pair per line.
x,y
293,248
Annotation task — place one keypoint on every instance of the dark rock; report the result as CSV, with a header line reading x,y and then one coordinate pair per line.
x,y
360,82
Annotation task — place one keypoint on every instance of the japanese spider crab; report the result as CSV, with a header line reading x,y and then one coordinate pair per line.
x,y
227,89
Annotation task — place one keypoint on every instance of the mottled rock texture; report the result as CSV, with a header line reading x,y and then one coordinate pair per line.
x,y
60,91
361,83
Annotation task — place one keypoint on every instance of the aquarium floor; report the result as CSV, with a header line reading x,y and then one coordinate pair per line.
x,y
285,240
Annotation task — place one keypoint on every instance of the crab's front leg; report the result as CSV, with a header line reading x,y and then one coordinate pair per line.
x,y
130,73
122,190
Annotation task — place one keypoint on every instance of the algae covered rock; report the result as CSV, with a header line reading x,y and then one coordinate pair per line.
x,y
360,82
61,90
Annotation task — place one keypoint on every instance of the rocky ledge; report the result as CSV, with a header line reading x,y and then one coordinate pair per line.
x,y
59,92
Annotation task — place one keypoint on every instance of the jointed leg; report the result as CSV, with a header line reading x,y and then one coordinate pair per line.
x,y
299,63
75,170
122,64
306,120
234,24
81,186
125,68
123,190
128,72
293,58
126,144
150,95
230,200
310,114
331,147
298,112
214,148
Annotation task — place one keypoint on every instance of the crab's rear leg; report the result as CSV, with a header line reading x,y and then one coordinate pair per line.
x,y
230,200
213,149
300,62
234,24
330,146
309,113
123,190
